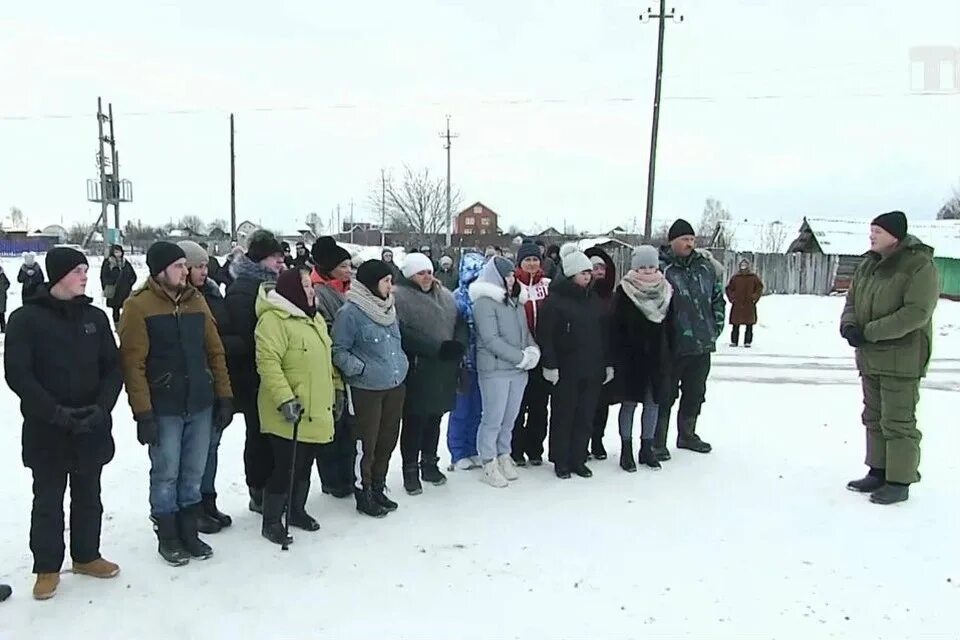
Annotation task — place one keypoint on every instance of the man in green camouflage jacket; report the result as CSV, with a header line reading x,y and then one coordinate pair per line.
x,y
695,320
888,319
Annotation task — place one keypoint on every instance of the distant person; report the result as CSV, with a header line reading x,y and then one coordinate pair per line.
x,y
287,257
30,276
551,261
387,257
225,273
4,287
62,362
743,291
447,274
603,284
302,258
117,278
888,320
213,265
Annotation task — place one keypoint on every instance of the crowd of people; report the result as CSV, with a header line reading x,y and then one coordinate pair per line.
x,y
333,366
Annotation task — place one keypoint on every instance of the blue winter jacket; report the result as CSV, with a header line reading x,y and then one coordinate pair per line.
x,y
470,266
369,355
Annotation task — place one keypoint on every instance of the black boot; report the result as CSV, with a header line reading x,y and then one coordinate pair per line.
x,y
519,459
562,472
411,479
206,524
430,472
5,590
299,517
891,493
380,497
256,500
187,528
583,471
869,483
367,504
647,455
209,503
660,436
343,491
170,548
627,462
687,437
597,449
272,528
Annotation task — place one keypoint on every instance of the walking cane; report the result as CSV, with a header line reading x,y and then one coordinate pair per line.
x,y
293,470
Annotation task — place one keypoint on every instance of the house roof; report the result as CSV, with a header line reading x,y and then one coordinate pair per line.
x,y
847,237
470,209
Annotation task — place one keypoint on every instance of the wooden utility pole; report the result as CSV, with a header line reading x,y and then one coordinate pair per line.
x,y
661,17
233,185
448,145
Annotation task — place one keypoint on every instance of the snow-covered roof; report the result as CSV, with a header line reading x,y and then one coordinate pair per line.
x,y
852,237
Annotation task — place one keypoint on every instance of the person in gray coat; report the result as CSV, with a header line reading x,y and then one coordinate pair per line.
x,y
505,352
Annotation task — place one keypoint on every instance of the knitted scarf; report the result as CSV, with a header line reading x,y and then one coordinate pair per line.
x,y
381,311
649,293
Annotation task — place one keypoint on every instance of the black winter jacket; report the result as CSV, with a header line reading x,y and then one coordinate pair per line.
x,y
640,352
572,332
4,286
30,278
120,276
62,353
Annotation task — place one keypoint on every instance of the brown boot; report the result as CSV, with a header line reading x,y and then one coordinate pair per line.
x,y
46,586
99,568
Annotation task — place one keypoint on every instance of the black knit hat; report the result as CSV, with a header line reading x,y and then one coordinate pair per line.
x,y
371,273
894,223
263,244
679,229
327,254
527,250
61,261
161,255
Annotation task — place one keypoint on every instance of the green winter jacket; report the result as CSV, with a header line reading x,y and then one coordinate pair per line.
x,y
293,360
892,300
696,316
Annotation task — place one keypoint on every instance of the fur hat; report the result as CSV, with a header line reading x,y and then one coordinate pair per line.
x,y
161,255
327,254
196,255
645,257
415,263
263,244
894,223
575,262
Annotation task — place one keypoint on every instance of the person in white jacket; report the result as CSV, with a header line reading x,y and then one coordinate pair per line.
x,y
505,353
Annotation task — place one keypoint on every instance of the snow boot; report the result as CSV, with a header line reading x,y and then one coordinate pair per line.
x,y
411,479
891,493
206,523
368,505
274,504
170,548
598,451
209,502
5,592
380,497
660,436
562,472
536,461
626,456
256,500
869,483
99,568
647,455
430,472
344,491
583,471
519,459
46,586
187,528
493,476
299,517
687,437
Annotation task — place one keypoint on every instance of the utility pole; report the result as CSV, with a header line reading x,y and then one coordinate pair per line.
x,y
449,144
661,17
233,185
108,189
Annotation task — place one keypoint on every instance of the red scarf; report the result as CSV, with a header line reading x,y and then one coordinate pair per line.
x,y
533,292
337,285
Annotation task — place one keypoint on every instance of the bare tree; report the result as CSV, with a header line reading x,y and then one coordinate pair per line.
x,y
415,204
219,223
194,223
951,208
16,218
773,237
78,232
713,213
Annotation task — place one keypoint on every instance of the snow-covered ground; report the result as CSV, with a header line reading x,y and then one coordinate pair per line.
x,y
759,539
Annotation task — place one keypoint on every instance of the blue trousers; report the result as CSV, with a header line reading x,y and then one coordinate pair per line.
x,y
177,463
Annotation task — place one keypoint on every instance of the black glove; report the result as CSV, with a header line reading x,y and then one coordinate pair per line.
x,y
222,413
74,420
86,418
339,402
451,350
291,410
854,335
147,430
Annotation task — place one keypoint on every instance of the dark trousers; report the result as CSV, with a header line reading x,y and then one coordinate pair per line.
x,y
572,405
735,335
890,418
335,459
688,381
47,521
419,438
376,431
600,421
257,452
282,452
530,429
3,321
116,316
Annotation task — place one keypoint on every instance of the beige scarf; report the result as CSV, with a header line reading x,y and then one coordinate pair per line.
x,y
377,309
649,293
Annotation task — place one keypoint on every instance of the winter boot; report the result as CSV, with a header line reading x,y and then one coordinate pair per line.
x,y
597,449
46,586
660,436
562,472
519,459
687,437
647,455
411,479
536,461
430,472
206,523
274,504
367,504
508,468
583,471
98,568
626,456
187,529
891,493
874,479
343,491
256,500
5,592
209,502
380,497
170,548
493,476
299,517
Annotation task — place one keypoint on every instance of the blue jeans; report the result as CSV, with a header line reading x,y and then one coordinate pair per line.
x,y
178,461
207,487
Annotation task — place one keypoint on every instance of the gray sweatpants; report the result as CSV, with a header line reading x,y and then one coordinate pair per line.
x,y
502,395
648,418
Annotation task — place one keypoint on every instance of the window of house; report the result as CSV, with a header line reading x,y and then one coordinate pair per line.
x,y
467,232
470,222
485,222
478,209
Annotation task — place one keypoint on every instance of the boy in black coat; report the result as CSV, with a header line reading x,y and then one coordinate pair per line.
x,y
62,361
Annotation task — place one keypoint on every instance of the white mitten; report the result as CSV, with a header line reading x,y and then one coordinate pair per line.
x,y
534,353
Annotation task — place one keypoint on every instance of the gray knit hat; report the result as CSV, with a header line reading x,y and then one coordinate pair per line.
x,y
645,256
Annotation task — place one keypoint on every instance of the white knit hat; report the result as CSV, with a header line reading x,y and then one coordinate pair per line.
x,y
575,262
414,263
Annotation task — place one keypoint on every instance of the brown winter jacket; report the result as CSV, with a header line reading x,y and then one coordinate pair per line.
x,y
170,352
743,292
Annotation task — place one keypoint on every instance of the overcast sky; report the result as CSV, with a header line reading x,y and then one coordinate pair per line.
x,y
778,108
